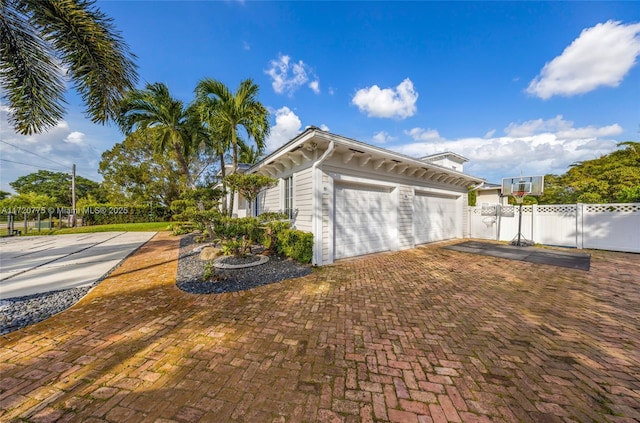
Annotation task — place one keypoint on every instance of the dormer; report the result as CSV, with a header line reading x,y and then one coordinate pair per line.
x,y
447,160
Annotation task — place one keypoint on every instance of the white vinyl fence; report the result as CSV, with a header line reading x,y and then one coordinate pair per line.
x,y
614,227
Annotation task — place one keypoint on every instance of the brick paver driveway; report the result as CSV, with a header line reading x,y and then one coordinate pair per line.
x,y
424,335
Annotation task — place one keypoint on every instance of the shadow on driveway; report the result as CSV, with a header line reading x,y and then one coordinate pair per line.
x,y
568,259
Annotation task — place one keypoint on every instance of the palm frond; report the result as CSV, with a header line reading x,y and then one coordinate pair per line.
x,y
98,60
29,77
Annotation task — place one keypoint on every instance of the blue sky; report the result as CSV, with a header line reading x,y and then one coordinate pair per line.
x,y
516,87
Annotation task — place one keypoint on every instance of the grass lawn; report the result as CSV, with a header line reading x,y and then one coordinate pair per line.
x,y
119,227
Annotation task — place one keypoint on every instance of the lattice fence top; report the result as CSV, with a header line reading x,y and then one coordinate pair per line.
x,y
489,210
557,208
612,208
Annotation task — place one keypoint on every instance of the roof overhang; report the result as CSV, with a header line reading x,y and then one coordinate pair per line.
x,y
303,147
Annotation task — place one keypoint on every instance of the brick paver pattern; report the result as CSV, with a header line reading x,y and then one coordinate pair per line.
x,y
423,335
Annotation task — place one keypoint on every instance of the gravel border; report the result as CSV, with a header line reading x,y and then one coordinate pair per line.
x,y
191,270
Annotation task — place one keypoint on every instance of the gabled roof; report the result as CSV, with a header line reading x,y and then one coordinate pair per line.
x,y
301,148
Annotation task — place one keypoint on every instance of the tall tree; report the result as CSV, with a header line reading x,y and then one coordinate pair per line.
x,y
135,172
57,185
40,41
165,119
612,178
237,111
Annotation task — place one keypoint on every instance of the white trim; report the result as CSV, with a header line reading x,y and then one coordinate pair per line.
x,y
346,179
331,218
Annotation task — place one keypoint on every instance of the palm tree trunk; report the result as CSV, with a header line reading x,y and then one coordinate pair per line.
x,y
187,173
234,146
223,171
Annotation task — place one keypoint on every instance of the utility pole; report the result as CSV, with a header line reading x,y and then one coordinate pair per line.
x,y
73,196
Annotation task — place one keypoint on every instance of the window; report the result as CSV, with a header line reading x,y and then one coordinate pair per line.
x,y
288,197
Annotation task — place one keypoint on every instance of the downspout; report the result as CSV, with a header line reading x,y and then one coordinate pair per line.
x,y
317,205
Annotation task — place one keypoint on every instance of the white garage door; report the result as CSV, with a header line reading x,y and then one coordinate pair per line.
x,y
435,218
362,216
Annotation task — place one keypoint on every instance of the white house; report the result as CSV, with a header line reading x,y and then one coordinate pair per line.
x,y
490,194
358,199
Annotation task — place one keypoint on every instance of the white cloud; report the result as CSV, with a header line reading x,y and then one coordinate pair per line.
x,y
383,137
246,46
75,137
287,126
537,126
534,147
601,56
388,102
289,76
324,127
490,133
420,134
315,86
562,128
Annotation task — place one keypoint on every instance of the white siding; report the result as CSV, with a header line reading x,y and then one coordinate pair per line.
x,y
405,218
303,199
270,200
465,216
326,198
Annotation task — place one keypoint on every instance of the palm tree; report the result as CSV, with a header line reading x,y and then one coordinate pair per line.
x,y
216,140
40,41
231,111
249,154
166,120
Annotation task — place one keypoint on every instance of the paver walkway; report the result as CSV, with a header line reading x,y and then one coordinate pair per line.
x,y
423,335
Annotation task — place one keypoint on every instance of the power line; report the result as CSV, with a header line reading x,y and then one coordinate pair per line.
x,y
35,154
27,164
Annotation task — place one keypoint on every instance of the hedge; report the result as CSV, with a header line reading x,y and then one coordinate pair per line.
x,y
105,214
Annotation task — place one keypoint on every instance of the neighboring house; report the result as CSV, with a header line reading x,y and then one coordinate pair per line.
x,y
358,199
490,194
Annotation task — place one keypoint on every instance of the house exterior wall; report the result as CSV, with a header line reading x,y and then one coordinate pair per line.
x,y
303,199
405,217
324,166
489,196
327,218
269,200
403,189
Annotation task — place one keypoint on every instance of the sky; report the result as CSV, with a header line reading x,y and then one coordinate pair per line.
x,y
516,87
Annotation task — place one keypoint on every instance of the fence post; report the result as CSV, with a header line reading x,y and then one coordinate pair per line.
x,y
499,220
534,223
579,226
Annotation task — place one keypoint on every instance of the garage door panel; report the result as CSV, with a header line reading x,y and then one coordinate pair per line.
x,y
361,220
435,218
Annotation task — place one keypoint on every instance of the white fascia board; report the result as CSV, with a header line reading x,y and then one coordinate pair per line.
x,y
381,152
286,148
339,140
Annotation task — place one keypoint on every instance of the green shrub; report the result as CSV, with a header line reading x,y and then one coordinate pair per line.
x,y
271,216
295,244
270,237
237,234
288,242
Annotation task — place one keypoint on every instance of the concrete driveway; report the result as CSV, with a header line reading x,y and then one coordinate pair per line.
x,y
36,264
422,335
